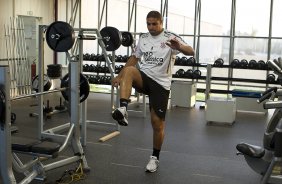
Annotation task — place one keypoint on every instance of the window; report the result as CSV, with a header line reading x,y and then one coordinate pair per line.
x,y
215,20
212,48
250,48
276,18
252,17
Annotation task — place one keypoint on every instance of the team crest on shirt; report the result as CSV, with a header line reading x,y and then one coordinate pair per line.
x,y
163,45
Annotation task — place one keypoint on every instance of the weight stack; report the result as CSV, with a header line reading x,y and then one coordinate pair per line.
x,y
54,71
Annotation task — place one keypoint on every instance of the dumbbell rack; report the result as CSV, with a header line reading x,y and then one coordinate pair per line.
x,y
231,79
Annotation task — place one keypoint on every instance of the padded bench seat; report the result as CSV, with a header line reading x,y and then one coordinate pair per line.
x,y
247,101
244,93
28,145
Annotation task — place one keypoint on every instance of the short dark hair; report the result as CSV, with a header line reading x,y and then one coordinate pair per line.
x,y
155,14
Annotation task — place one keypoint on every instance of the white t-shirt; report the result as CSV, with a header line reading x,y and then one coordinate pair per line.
x,y
158,58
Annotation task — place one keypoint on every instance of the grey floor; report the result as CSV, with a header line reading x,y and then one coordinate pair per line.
x,y
193,152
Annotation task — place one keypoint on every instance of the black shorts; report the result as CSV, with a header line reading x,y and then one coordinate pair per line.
x,y
158,95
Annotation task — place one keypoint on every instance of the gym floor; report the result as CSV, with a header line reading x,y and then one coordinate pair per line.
x,y
193,152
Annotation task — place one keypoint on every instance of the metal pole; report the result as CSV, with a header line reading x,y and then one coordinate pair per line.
x,y
84,104
166,3
231,44
5,131
75,109
40,77
269,37
199,31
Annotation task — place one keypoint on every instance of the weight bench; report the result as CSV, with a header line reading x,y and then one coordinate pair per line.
x,y
35,147
247,101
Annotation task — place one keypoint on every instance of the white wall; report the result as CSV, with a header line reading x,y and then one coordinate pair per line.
x,y
43,9
6,10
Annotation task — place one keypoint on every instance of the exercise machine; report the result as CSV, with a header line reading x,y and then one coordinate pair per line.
x,y
265,160
41,149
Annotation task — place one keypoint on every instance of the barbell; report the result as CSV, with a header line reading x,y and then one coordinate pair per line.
x,y
84,89
60,37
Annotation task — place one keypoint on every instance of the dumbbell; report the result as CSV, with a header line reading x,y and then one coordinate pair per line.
x,y
124,59
188,73
191,61
101,57
92,57
99,68
270,78
102,80
106,69
180,73
253,64
85,68
118,69
105,80
92,68
108,80
235,63
183,61
91,79
197,74
96,79
218,62
177,60
261,65
119,58
86,57
243,63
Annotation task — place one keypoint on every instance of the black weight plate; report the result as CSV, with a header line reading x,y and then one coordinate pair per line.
x,y
84,87
60,36
54,66
111,38
54,71
46,83
127,39
54,74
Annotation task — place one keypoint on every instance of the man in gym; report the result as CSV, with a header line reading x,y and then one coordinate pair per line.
x,y
156,51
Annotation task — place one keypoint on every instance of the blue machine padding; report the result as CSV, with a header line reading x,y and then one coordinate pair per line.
x,y
247,94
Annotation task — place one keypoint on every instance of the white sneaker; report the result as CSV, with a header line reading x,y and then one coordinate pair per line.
x,y
121,116
153,164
